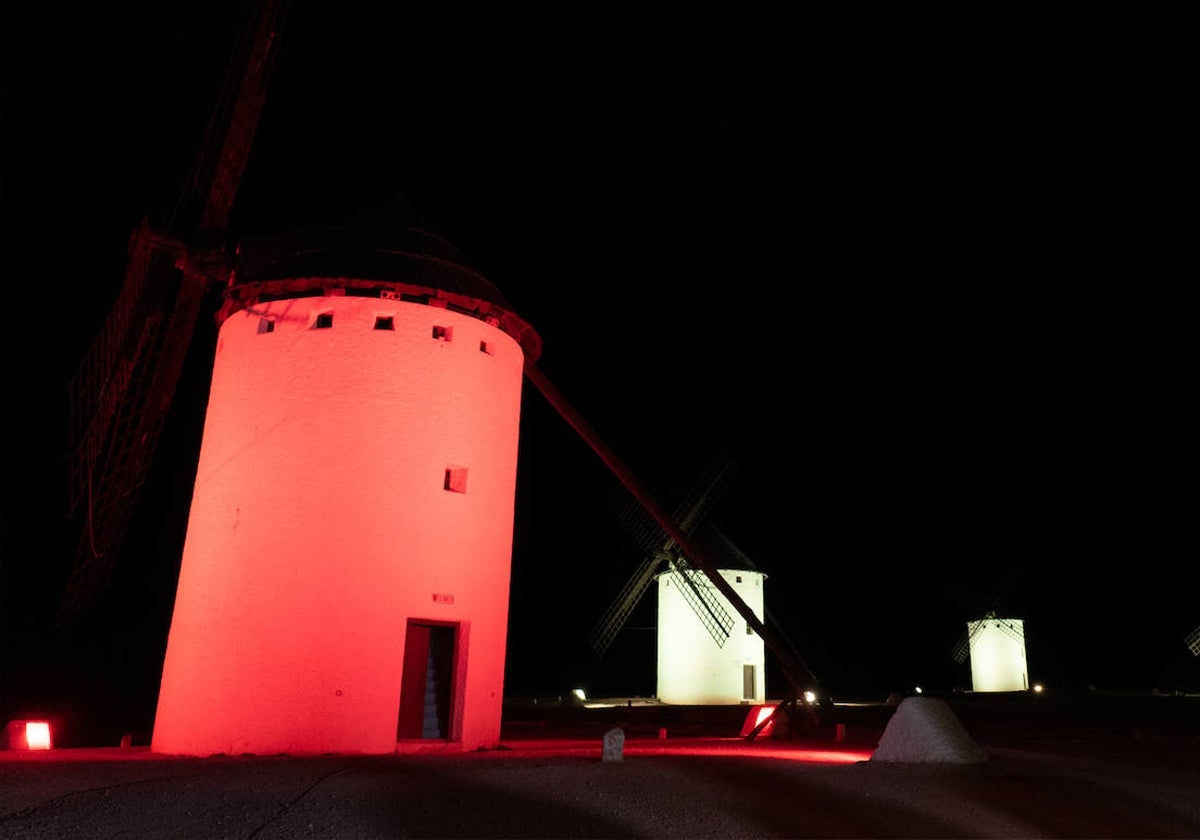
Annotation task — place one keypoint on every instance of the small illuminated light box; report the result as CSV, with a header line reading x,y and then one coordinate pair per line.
x,y
27,735
757,715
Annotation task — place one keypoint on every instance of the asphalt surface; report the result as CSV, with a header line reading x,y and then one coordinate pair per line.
x,y
1124,775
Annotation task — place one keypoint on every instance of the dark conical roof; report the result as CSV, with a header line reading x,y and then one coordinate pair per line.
x,y
722,551
383,251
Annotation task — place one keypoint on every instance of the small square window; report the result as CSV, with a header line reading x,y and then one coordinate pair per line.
x,y
484,347
265,325
442,333
384,322
456,479
324,321
737,578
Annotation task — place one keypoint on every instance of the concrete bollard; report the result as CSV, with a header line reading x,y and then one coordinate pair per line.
x,y
614,744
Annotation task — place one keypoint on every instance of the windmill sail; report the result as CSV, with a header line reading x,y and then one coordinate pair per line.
x,y
117,409
698,592
123,390
663,552
1192,640
962,648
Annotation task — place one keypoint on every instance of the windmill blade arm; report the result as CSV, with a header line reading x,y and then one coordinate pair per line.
x,y
1192,640
661,549
99,388
646,533
704,495
223,157
614,617
122,395
715,618
690,512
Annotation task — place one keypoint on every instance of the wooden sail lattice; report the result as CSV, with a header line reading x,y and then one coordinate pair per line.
x,y
662,553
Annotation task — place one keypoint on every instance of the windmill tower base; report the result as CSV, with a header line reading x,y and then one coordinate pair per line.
x,y
344,581
692,668
998,655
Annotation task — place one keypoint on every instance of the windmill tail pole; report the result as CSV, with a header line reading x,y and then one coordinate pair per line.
x,y
797,673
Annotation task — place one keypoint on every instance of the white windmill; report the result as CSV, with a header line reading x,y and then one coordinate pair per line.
x,y
996,648
705,654
696,666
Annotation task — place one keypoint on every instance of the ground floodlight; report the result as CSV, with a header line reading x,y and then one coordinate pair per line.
x,y
28,735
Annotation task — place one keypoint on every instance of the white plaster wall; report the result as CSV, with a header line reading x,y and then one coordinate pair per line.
x,y
691,668
998,655
320,524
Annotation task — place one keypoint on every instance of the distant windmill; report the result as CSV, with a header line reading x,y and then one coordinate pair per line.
x,y
996,648
997,652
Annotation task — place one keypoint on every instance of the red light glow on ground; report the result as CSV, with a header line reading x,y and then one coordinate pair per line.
x,y
731,748
774,749
805,755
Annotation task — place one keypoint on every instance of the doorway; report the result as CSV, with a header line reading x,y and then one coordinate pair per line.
x,y
749,683
427,681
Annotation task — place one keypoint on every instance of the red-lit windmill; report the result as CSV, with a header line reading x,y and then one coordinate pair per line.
x,y
343,585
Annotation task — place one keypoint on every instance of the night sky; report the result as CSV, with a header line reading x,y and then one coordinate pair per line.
x,y
910,274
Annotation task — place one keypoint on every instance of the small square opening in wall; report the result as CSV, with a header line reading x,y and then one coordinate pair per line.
x,y
484,347
456,479
265,325
385,322
324,321
442,333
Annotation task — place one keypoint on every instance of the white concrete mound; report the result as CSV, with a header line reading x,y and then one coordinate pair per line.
x,y
926,730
